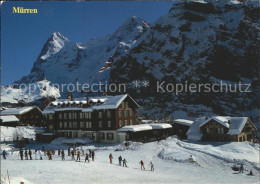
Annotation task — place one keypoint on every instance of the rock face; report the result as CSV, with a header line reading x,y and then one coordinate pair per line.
x,y
196,42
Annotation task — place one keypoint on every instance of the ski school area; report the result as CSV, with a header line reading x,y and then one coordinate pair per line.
x,y
172,160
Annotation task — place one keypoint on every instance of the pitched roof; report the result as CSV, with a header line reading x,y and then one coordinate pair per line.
x,y
220,119
107,102
17,111
10,118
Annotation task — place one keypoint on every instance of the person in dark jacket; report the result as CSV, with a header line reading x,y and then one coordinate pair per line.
x,y
241,169
86,158
30,154
93,155
26,154
68,151
142,165
120,160
124,163
21,154
62,155
72,155
4,154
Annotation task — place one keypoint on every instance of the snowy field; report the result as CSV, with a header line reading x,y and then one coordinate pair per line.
x,y
213,162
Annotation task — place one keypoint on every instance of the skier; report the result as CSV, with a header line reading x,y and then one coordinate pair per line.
x,y
78,156
21,154
40,154
110,158
152,167
86,158
120,160
58,152
72,155
35,154
191,159
89,153
4,154
93,155
49,154
68,151
30,154
241,169
142,165
124,163
250,173
62,155
26,154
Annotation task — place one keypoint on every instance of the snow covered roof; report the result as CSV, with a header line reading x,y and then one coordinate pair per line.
x,y
183,122
17,111
194,131
160,125
144,127
10,118
220,119
235,125
96,103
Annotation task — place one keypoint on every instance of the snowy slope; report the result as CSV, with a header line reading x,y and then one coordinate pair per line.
x,y
213,162
10,133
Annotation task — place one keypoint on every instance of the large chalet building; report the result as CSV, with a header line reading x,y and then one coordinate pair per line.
x,y
97,118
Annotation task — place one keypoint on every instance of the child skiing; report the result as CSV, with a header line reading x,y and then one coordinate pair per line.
x,y
4,154
30,154
152,167
26,154
124,163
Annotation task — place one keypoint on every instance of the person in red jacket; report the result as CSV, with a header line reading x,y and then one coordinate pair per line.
x,y
110,158
142,165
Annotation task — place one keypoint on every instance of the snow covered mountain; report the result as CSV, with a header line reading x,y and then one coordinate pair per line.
x,y
197,42
63,60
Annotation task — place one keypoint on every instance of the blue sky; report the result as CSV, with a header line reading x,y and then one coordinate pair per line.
x,y
23,35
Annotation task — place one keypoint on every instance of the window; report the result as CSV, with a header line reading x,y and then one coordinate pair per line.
x,y
125,113
207,130
126,104
89,115
65,115
101,136
131,112
80,115
109,124
120,114
109,114
120,123
74,124
88,125
100,114
50,116
70,124
123,104
70,115
100,124
126,122
74,115
131,122
65,125
110,136
81,124
60,124
60,115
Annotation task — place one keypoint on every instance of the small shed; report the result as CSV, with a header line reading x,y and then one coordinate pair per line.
x,y
9,121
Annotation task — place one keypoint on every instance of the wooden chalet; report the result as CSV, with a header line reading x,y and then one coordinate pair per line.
x,y
30,115
223,128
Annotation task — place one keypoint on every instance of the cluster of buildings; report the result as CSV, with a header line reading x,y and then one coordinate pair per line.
x,y
111,119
